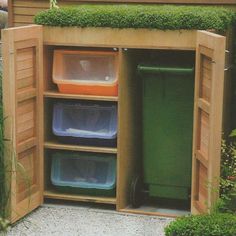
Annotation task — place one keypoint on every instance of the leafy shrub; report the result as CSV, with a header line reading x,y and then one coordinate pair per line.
x,y
4,224
139,16
227,202
221,224
228,167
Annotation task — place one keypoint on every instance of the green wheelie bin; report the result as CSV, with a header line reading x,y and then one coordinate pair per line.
x,y
167,126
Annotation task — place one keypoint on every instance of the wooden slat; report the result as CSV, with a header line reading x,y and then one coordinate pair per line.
x,y
29,11
126,38
27,134
26,117
16,24
24,54
27,192
23,18
26,106
29,143
207,64
25,82
25,64
24,73
204,185
203,50
75,197
53,94
204,105
31,4
10,13
204,133
26,94
202,158
28,125
59,146
206,75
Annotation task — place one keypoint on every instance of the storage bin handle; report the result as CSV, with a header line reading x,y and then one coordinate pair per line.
x,y
170,70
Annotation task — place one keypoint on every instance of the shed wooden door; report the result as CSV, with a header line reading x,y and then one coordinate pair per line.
x,y
22,99
208,105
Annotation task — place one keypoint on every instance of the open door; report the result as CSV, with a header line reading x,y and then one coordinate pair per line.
x,y
208,106
23,111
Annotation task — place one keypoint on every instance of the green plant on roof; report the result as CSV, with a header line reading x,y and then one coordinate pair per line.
x,y
163,17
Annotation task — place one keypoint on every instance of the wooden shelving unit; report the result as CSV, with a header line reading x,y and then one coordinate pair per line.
x,y
56,94
52,95
52,194
59,146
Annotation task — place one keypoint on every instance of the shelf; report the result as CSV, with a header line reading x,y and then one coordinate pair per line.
x,y
52,194
55,94
60,146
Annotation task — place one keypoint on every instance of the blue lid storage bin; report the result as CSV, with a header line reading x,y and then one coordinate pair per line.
x,y
84,173
85,123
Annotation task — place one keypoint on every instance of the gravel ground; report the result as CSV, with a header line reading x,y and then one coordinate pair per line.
x,y
64,220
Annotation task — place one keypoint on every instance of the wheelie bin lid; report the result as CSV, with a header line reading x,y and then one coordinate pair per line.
x,y
154,69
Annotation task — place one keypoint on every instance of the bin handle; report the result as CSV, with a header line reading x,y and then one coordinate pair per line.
x,y
169,70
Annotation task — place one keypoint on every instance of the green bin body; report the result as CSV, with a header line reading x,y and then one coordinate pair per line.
x,y
167,103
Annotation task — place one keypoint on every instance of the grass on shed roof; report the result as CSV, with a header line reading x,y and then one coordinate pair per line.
x,y
162,17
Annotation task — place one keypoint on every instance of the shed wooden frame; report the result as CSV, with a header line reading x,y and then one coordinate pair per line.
x,y
28,106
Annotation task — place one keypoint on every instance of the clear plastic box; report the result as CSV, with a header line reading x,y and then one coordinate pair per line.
x,y
85,123
78,171
86,72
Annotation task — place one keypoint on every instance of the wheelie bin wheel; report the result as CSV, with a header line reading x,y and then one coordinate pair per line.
x,y
136,193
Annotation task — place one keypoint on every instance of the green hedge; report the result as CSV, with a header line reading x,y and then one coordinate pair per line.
x,y
220,224
139,16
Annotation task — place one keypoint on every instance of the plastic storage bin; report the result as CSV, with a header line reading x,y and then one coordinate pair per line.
x,y
86,72
85,124
168,94
84,173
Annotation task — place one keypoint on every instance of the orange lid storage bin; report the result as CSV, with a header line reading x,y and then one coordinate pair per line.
x,y
86,72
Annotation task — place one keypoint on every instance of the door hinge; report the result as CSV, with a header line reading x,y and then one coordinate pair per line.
x,y
228,67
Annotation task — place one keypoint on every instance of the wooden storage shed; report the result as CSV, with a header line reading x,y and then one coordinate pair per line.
x,y
28,88
28,94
